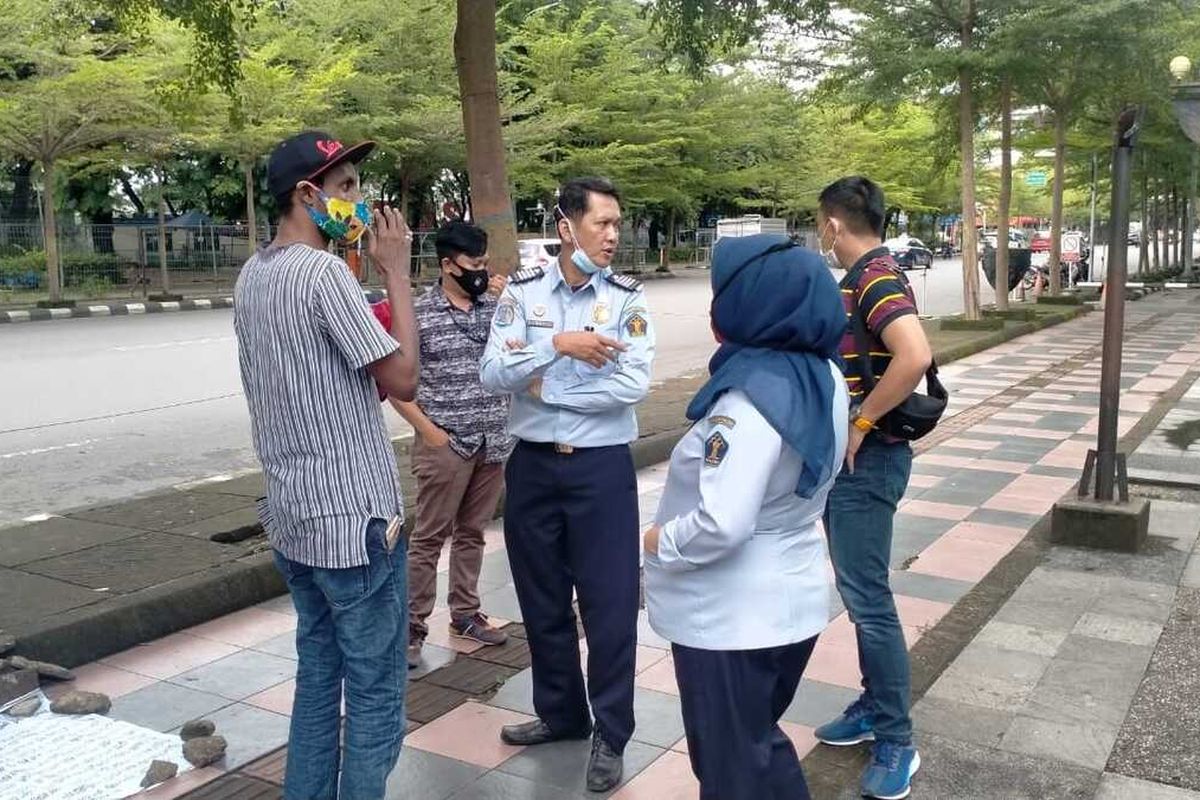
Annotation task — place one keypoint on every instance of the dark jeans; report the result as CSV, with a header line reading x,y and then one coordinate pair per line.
x,y
858,520
352,628
732,701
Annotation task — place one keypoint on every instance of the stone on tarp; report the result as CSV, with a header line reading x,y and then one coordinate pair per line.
x,y
204,751
78,703
159,771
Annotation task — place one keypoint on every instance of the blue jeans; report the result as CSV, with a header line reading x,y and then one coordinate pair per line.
x,y
352,627
858,521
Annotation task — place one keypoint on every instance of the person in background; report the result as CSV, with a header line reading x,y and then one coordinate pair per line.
x,y
312,356
574,343
863,503
735,562
461,441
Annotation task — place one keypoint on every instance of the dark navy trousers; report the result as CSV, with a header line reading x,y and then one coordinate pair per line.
x,y
732,701
571,523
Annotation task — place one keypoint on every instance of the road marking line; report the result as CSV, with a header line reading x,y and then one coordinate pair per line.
x,y
40,450
203,302
18,316
169,305
39,517
99,311
60,313
180,343
136,308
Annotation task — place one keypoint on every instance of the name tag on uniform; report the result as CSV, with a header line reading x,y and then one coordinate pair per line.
x,y
539,323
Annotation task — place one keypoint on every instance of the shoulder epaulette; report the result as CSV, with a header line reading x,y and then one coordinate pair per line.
x,y
625,282
527,275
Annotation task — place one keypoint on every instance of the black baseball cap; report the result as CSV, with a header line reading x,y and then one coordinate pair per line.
x,y
306,157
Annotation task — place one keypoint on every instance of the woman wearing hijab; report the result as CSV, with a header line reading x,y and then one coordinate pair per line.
x,y
735,563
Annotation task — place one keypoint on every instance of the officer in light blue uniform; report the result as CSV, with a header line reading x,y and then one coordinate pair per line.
x,y
735,564
573,343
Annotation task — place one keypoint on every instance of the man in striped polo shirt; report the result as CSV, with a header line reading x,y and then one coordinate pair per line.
x,y
311,354
863,502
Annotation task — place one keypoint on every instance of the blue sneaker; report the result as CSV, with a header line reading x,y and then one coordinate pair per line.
x,y
889,776
856,724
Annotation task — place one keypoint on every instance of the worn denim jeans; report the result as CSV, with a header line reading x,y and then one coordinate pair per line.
x,y
352,629
858,521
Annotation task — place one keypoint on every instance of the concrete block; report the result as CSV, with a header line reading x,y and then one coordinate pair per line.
x,y
1083,522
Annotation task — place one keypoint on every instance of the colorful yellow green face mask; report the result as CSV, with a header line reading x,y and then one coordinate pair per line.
x,y
342,220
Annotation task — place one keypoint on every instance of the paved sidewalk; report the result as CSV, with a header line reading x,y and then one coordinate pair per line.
x,y
1082,622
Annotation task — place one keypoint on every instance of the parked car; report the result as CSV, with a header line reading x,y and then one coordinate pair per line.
x,y
1016,239
538,252
910,253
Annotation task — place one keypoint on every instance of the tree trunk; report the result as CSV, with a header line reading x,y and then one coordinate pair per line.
x,y
475,56
1056,207
1005,194
405,194
966,131
1155,248
1177,223
251,216
664,263
162,231
50,234
1143,243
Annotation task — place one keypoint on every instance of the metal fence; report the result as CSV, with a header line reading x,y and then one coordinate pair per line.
x,y
123,259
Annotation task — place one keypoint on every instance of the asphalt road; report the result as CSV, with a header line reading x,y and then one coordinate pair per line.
x,y
96,410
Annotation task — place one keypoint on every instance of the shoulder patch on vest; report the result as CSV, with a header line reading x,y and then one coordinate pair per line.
x,y
626,282
716,447
526,275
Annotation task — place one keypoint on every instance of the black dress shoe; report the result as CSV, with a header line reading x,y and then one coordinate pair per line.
x,y
528,734
605,768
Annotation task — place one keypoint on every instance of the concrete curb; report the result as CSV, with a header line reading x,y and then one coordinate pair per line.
x,y
84,309
91,632
111,309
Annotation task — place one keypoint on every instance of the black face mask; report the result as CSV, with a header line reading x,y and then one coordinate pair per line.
x,y
473,281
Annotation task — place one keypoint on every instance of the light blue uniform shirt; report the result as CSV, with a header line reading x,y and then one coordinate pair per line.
x,y
579,405
741,560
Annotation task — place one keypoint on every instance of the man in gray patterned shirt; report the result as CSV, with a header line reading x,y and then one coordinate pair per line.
x,y
311,355
461,440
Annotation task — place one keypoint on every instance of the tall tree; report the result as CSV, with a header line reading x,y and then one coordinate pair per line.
x,y
78,95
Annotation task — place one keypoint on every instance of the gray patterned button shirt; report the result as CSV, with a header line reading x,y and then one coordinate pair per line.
x,y
305,336
449,391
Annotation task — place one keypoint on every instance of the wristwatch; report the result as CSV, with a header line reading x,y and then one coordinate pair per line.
x,y
862,423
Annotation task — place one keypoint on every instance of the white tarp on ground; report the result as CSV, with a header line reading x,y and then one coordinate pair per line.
x,y
56,757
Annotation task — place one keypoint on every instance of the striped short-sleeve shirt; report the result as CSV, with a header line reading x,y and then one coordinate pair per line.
x,y
882,292
305,337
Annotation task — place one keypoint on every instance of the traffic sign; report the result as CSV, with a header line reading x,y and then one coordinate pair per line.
x,y
1036,178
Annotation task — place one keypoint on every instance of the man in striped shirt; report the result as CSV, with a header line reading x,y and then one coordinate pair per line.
x,y
863,502
311,355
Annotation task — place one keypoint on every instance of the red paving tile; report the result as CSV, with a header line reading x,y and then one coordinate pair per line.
x,y
102,678
469,733
924,508
960,559
919,613
246,628
660,677
169,656
669,777
992,534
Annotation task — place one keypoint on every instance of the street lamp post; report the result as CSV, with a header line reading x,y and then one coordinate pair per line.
x,y
1186,100
1105,462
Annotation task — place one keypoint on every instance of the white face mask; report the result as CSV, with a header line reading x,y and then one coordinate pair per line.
x,y
828,253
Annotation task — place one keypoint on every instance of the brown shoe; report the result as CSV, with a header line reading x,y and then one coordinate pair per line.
x,y
477,629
